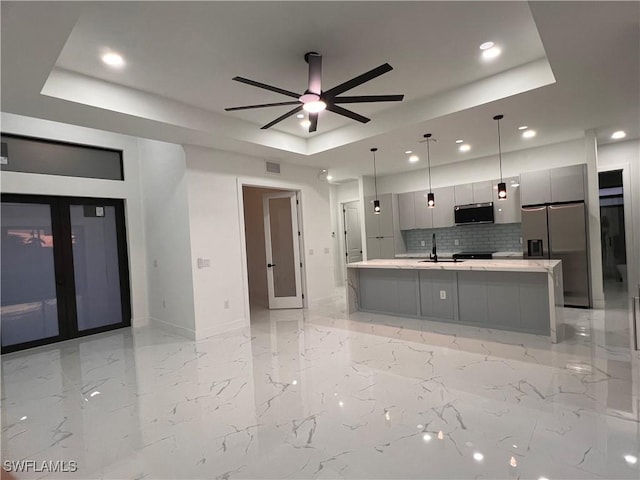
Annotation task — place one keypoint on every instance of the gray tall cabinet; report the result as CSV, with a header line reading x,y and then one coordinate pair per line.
x,y
379,228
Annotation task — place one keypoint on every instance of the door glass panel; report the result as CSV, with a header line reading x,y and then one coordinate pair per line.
x,y
96,267
28,286
284,274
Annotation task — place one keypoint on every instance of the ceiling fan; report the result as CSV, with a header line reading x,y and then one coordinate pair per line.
x,y
314,99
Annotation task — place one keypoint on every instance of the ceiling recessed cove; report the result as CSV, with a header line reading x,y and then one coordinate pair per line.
x,y
314,99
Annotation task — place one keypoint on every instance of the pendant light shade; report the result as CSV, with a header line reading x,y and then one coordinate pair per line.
x,y
502,187
376,202
431,198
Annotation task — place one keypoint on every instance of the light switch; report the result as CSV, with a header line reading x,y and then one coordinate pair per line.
x,y
155,263
326,250
200,262
311,251
443,294
207,262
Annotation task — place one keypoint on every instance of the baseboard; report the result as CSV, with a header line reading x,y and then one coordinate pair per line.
x,y
140,322
175,329
237,324
599,304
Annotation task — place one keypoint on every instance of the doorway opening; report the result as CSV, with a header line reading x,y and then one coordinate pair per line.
x,y
272,237
64,269
612,232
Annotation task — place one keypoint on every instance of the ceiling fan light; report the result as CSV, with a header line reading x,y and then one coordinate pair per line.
x,y
314,107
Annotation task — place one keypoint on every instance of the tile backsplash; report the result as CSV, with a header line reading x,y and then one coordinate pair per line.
x,y
503,237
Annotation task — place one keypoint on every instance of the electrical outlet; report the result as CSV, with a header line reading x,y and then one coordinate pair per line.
x,y
422,244
226,304
155,263
326,250
164,304
443,294
456,242
311,251
520,240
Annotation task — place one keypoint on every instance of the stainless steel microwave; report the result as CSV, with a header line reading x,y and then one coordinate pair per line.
x,y
473,213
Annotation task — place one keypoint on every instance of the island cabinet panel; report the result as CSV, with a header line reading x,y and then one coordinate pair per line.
x,y
472,297
534,303
503,299
432,283
388,291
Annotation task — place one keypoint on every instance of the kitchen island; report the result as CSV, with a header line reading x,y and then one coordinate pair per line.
x,y
517,295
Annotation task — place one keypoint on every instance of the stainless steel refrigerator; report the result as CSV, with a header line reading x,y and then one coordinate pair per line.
x,y
559,232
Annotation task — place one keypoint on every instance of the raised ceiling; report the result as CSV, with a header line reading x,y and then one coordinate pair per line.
x,y
565,68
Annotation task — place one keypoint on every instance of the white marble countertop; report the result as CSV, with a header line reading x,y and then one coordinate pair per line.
x,y
494,265
450,255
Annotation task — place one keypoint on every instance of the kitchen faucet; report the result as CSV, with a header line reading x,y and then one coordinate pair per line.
x,y
434,254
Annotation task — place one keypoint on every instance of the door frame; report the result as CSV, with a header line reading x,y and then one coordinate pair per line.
x,y
64,268
300,196
292,301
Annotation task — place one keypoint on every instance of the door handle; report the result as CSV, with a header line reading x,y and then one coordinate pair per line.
x,y
269,265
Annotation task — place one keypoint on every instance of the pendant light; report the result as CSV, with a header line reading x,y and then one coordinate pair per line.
x,y
376,202
502,187
431,198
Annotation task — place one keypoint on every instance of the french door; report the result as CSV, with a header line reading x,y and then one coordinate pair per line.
x,y
64,269
284,280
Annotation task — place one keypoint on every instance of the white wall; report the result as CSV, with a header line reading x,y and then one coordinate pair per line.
x,y
129,189
626,156
339,194
168,252
215,180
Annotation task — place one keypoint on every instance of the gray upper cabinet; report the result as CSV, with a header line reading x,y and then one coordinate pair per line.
x,y
407,211
379,225
535,187
482,192
567,183
463,194
563,184
424,216
443,211
507,210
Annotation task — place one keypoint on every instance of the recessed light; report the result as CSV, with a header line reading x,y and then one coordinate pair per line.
x,y
93,394
459,141
305,123
523,127
113,59
514,185
426,437
414,158
300,115
23,418
528,134
478,457
465,147
486,45
491,53
543,478
618,135
408,152
341,403
631,459
329,177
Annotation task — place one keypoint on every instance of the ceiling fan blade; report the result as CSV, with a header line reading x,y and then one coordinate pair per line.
x,y
282,117
253,83
248,107
347,113
315,73
359,80
313,118
369,98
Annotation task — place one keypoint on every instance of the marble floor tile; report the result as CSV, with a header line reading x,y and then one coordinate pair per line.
x,y
320,393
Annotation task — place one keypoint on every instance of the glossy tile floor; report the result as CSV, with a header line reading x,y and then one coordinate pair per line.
x,y
312,394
